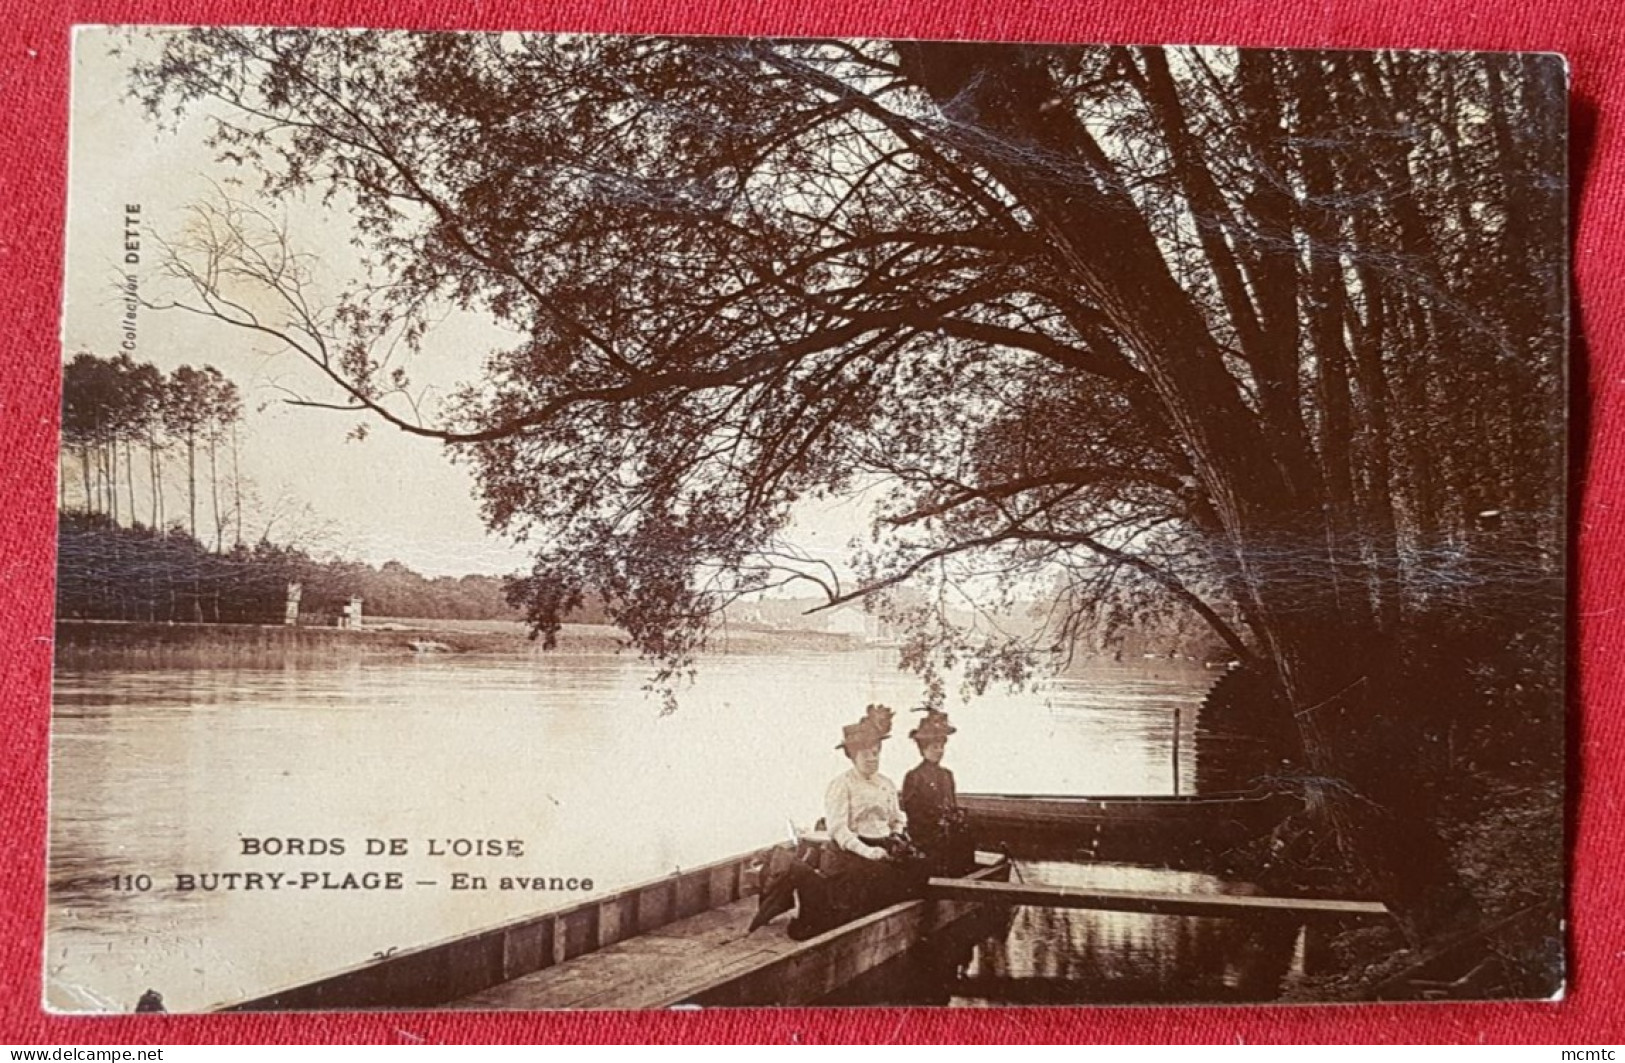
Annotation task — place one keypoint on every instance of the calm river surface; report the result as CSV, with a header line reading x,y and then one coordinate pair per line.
x,y
166,772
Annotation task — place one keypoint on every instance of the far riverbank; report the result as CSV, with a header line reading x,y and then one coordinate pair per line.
x,y
110,643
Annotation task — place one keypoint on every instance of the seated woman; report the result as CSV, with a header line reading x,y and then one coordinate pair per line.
x,y
871,863
932,804
861,810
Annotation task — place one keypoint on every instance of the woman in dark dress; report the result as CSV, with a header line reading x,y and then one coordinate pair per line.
x,y
931,803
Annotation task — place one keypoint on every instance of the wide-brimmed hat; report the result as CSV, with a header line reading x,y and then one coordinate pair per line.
x,y
934,726
860,734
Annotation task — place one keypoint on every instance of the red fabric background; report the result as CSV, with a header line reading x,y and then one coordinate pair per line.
x,y
33,116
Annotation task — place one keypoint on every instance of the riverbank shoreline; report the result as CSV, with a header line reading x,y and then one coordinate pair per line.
x,y
1506,843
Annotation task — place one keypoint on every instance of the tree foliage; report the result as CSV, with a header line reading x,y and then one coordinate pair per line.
x,y
1274,337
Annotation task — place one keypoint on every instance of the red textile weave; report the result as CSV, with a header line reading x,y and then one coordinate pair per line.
x,y
33,114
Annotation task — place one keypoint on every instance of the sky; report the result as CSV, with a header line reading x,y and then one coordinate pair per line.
x,y
388,496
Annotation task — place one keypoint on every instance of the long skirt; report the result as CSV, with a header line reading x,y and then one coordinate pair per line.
x,y
847,887
947,842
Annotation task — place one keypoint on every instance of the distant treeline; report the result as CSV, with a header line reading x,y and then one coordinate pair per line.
x,y
110,572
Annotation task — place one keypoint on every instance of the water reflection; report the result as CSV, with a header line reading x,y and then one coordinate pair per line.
x,y
1047,956
166,771
1056,955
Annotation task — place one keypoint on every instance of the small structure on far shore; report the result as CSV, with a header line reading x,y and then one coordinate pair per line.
x,y
290,616
350,615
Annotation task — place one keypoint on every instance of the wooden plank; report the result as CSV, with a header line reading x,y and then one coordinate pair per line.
x,y
722,885
658,988
623,974
527,948
609,922
557,940
580,927
693,893
567,985
1208,904
656,905
714,927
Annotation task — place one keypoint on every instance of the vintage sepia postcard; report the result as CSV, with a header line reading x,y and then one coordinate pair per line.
x,y
638,522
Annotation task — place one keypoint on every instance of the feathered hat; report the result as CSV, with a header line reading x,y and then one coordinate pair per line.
x,y
934,726
860,735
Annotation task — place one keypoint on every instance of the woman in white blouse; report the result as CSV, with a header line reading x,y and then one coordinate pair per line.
x,y
861,808
871,863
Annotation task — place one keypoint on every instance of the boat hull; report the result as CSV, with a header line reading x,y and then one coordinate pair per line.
x,y
1185,832
677,941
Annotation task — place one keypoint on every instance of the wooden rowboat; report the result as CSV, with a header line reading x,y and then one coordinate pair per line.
x,y
675,941
1182,831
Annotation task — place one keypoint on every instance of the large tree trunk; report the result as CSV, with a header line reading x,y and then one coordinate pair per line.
x,y
1370,334
1325,310
1272,507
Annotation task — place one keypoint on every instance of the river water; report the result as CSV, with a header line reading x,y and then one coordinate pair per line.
x,y
564,758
